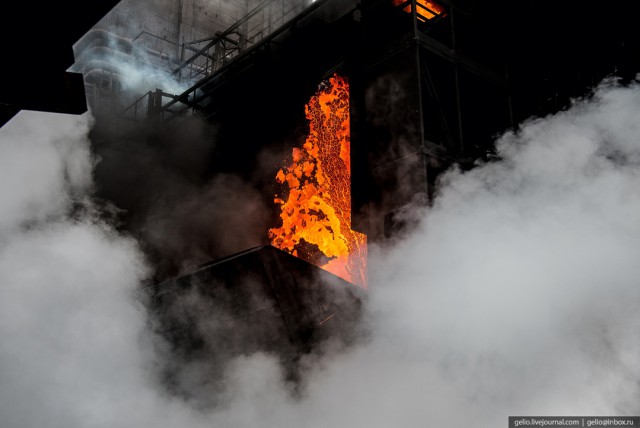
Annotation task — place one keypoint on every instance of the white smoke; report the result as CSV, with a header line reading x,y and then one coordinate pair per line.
x,y
72,341
132,65
517,294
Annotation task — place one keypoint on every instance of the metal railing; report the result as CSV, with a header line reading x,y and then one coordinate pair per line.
x,y
194,98
147,108
213,55
203,57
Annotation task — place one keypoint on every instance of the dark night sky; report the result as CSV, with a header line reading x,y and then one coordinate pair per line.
x,y
560,49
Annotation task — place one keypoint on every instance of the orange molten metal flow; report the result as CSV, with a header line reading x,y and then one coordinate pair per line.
x,y
316,215
426,9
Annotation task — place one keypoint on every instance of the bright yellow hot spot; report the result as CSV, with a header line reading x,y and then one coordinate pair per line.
x,y
426,9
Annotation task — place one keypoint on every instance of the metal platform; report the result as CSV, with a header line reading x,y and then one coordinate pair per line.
x,y
259,300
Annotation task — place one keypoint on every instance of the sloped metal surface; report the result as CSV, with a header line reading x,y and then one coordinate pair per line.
x,y
262,299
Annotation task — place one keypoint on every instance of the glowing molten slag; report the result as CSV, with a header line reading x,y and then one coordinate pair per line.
x,y
426,9
316,215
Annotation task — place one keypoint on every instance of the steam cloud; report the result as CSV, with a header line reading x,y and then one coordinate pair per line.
x,y
517,294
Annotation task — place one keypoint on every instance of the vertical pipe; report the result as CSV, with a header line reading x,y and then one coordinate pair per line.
x,y
422,147
456,72
270,12
509,100
181,69
149,104
179,28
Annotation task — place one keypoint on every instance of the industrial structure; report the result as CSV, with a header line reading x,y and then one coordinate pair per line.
x,y
35,78
422,78
431,83
364,103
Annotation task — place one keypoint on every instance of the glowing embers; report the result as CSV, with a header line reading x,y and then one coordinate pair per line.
x,y
427,10
316,213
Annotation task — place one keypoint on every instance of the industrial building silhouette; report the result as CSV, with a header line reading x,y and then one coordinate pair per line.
x,y
431,84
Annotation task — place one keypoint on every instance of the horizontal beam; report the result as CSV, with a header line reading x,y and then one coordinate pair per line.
x,y
451,55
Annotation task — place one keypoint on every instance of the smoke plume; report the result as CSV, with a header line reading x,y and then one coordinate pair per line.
x,y
516,294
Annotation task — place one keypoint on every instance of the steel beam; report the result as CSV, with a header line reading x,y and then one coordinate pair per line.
x,y
442,50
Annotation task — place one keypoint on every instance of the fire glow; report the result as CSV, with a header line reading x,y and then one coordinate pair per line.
x,y
317,209
427,10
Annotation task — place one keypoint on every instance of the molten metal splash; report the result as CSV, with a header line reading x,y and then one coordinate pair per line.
x,y
317,211
427,10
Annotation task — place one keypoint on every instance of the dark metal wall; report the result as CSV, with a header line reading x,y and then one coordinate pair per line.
x,y
434,93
